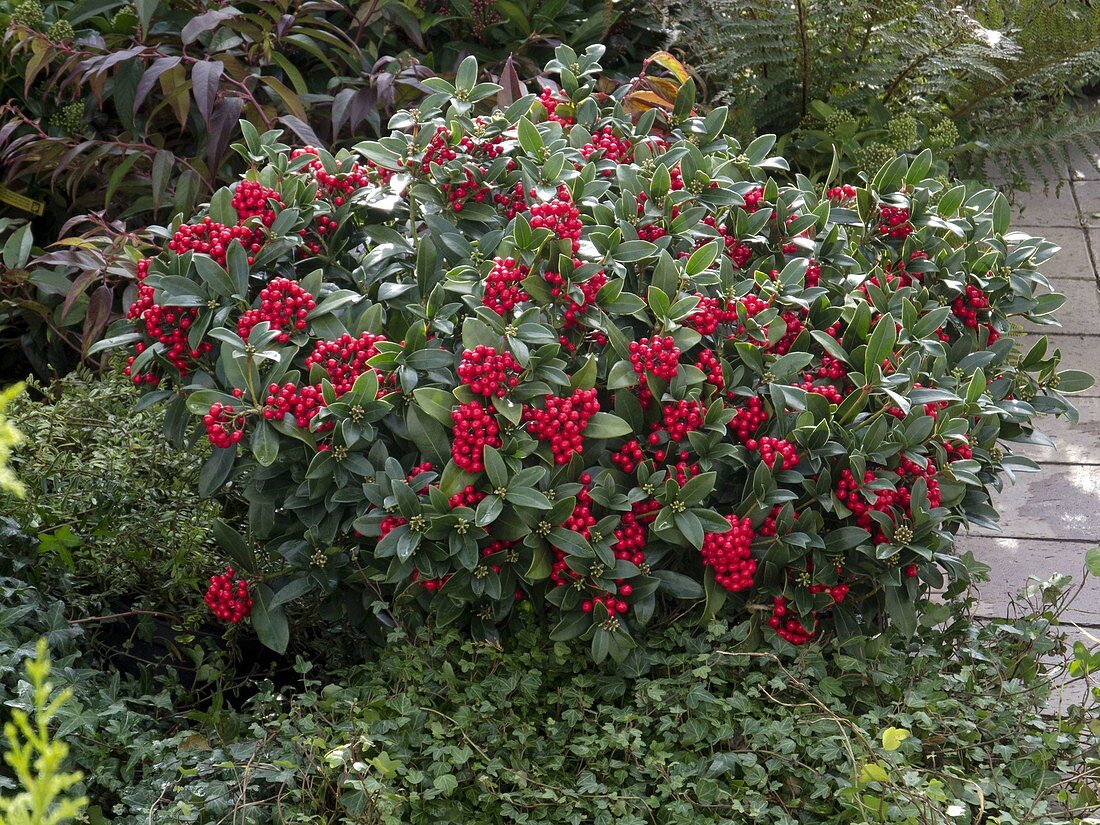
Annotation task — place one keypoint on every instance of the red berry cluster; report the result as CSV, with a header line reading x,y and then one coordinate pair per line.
x,y
777,453
589,290
253,200
630,535
216,421
748,419
468,496
431,585
968,306
302,402
612,604
609,147
710,365
753,199
336,185
895,223
786,626
896,274
488,372
284,305
847,491
729,555
678,418
629,456
562,422
438,150
659,356
419,469
651,232
475,428
389,524
168,326
932,408
511,201
828,391
958,452
682,471
794,327
493,548
314,235
736,250
751,305
813,274
560,216
345,359
502,286
469,190
213,239
770,525
227,597
550,101
580,521
837,592
842,193
708,315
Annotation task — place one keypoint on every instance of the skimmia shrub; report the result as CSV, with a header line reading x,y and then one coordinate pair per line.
x,y
564,360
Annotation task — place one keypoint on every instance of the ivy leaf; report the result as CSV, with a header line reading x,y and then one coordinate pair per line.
x,y
1092,560
893,737
873,772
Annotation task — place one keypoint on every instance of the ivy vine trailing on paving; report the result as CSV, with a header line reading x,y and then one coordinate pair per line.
x,y
561,358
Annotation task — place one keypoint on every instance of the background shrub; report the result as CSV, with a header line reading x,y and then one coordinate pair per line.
x,y
108,501
557,357
992,81
57,303
133,109
113,112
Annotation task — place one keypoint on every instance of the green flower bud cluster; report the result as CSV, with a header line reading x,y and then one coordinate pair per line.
x,y
29,13
69,118
873,156
902,131
944,135
125,16
840,121
61,31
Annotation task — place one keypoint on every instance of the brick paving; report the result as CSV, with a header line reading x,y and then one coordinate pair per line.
x,y
1049,519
